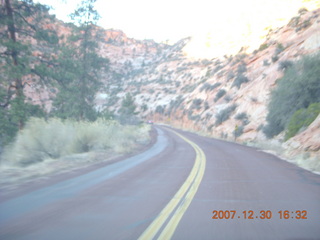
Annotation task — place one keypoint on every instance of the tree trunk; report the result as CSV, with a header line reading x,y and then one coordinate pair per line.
x,y
17,83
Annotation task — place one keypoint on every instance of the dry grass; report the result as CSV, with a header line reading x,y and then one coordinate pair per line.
x,y
46,147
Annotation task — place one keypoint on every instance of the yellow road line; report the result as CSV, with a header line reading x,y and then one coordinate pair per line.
x,y
188,189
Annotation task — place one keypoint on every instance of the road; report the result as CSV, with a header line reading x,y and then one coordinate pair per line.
x,y
184,187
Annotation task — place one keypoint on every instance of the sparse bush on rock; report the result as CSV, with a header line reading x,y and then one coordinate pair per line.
x,y
263,46
241,116
239,80
224,114
238,131
220,94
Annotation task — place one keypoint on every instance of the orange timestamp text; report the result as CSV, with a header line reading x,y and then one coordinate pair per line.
x,y
262,214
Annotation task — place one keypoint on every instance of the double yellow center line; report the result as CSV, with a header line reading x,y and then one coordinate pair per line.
x,y
181,200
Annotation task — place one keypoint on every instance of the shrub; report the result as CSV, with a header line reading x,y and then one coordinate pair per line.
x,y
239,80
294,22
238,131
279,48
196,103
230,75
213,86
220,93
304,24
208,87
274,58
224,114
302,118
206,105
297,89
263,46
160,109
241,116
144,107
227,98
302,11
266,62
52,139
241,68
283,65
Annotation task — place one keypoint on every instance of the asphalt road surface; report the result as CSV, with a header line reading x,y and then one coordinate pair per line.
x,y
184,187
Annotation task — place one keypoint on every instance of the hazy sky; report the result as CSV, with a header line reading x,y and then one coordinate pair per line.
x,y
217,27
174,19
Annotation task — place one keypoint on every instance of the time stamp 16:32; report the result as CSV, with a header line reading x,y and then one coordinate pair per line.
x,y
263,214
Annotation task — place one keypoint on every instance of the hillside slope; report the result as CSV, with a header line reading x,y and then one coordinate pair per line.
x,y
218,97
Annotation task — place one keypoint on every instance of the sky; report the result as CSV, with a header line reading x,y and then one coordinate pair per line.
x,y
211,23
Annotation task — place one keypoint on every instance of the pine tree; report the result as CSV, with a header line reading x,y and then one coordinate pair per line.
x,y
20,24
128,111
80,66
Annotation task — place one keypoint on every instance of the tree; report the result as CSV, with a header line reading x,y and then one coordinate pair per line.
x,y
128,110
80,67
297,89
21,22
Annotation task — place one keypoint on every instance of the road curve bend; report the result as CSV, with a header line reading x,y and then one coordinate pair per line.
x,y
184,187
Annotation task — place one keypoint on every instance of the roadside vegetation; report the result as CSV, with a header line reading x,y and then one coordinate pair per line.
x,y
41,140
295,101
69,69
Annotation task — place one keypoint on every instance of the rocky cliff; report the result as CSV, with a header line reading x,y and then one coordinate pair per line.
x,y
216,97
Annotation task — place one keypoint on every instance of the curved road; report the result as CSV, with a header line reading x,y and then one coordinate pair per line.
x,y
184,187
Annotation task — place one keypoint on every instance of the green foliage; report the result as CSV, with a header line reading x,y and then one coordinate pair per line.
x,y
21,22
238,131
196,103
302,118
263,46
274,58
302,10
128,110
304,24
266,62
220,94
230,75
209,87
144,107
283,65
242,68
297,89
159,109
128,107
239,80
79,68
224,114
10,119
278,50
106,115
41,140
174,104
294,22
241,116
